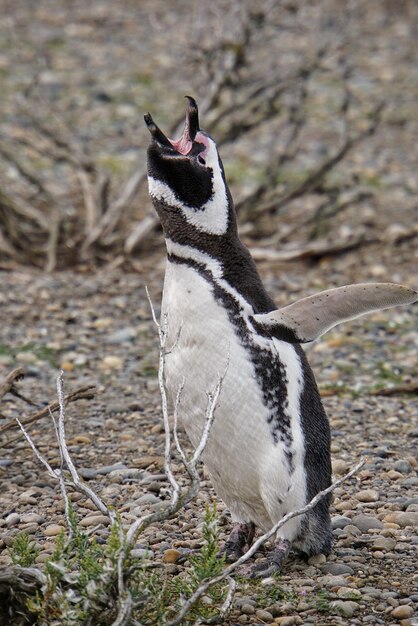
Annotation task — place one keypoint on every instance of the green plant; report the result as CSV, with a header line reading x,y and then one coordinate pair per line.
x,y
322,601
23,551
162,597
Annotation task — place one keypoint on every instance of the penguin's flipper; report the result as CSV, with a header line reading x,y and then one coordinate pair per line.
x,y
309,318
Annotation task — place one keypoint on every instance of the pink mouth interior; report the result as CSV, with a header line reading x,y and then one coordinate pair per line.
x,y
184,145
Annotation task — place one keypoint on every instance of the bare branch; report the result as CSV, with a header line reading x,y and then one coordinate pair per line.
x,y
76,481
8,385
83,393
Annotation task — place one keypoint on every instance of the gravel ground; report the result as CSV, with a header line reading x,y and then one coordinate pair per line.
x,y
97,328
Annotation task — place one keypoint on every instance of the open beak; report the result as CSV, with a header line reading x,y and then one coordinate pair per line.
x,y
184,144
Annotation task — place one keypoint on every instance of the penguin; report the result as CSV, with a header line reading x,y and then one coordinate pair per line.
x,y
268,451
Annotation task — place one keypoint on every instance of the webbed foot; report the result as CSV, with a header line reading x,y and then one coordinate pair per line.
x,y
269,566
239,541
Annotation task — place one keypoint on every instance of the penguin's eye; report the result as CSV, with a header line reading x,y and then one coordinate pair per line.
x,y
201,160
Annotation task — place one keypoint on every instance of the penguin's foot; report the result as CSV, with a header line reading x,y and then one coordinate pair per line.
x,y
269,566
239,541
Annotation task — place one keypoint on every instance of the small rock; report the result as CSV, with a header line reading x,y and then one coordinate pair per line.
x,y
332,581
383,543
402,612
81,439
239,602
264,615
94,520
337,569
171,555
247,609
124,474
349,593
288,620
345,608
148,498
87,473
402,466
32,518
122,335
407,518
52,530
366,522
339,467
394,475
368,495
111,362
140,553
26,357
106,469
318,559
146,461
6,462
12,519
340,521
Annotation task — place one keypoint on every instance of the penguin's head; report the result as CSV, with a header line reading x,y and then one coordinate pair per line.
x,y
186,177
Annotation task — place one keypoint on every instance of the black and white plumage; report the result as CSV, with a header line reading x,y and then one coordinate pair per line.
x,y
269,448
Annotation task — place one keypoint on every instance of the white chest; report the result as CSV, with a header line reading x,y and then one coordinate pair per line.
x,y
248,468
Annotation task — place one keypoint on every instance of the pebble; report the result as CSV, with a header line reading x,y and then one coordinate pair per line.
x,y
52,530
394,475
348,593
402,612
366,522
122,335
339,467
94,520
318,559
87,473
288,620
140,553
239,602
32,518
106,469
247,609
402,466
12,519
340,521
171,555
337,569
331,581
368,495
345,608
111,362
264,615
148,498
383,543
146,461
403,519
6,462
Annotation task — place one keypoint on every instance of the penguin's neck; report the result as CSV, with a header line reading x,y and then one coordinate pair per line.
x,y
223,256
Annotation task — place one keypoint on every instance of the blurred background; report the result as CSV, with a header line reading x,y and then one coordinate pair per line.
x,y
313,106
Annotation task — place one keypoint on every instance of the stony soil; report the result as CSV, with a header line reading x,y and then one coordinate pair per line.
x,y
97,327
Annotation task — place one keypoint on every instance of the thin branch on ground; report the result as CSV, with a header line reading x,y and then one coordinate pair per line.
x,y
86,392
8,384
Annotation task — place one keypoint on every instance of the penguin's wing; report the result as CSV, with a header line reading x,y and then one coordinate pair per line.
x,y
309,318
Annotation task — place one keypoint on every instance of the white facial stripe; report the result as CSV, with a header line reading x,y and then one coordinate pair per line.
x,y
161,191
212,217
